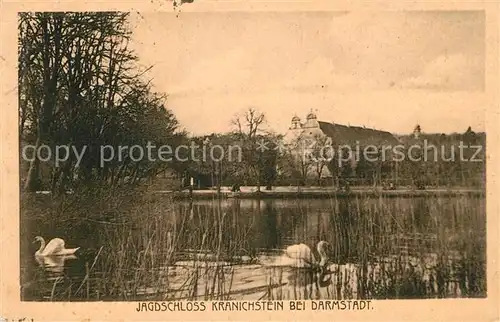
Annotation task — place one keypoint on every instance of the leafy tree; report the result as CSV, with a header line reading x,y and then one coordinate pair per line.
x,y
79,87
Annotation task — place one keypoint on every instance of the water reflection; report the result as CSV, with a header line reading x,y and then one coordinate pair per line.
x,y
380,248
53,264
303,277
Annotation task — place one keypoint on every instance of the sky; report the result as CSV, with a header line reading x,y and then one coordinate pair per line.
x,y
383,70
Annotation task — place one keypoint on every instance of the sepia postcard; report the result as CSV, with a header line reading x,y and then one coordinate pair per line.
x,y
249,160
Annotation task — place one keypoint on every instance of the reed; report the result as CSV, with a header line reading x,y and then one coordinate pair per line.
x,y
144,246
139,241
390,248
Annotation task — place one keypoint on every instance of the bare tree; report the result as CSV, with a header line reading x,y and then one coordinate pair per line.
x,y
249,127
250,123
321,152
301,157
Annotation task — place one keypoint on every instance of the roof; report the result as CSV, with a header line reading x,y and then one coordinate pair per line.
x,y
342,134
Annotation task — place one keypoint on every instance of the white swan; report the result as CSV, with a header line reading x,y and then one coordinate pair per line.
x,y
299,256
304,257
54,248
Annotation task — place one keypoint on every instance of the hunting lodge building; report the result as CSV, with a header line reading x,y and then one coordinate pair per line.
x,y
338,135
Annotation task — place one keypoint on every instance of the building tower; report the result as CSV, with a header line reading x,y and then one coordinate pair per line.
x,y
295,123
417,131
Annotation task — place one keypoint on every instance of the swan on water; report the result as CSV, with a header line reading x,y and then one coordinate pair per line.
x,y
304,257
54,248
299,256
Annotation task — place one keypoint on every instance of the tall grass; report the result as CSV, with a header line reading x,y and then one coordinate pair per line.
x,y
129,244
390,248
382,248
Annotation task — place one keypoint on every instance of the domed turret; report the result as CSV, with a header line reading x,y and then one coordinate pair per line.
x,y
296,122
312,120
417,131
311,116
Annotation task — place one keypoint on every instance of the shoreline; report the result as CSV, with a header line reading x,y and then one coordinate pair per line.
x,y
322,194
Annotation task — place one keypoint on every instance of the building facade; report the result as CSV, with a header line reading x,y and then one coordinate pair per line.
x,y
312,143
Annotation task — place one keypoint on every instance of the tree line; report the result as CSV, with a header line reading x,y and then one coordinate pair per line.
x,y
80,86
299,162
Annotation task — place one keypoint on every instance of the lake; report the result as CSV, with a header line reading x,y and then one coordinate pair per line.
x,y
233,249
